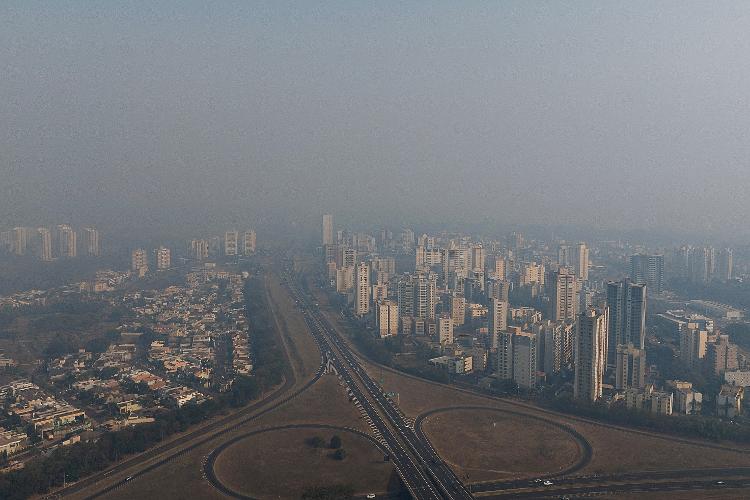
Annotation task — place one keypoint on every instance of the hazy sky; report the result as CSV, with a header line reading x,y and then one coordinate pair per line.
x,y
604,113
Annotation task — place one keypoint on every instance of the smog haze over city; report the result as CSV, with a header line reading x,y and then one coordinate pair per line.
x,y
350,250
616,115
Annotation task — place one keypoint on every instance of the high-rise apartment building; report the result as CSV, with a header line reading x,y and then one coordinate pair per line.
x,y
385,265
328,230
346,256
458,309
455,262
231,241
45,244
248,243
445,329
497,318
499,267
199,249
693,346
497,289
406,240
6,240
417,295
379,292
477,258
214,246
590,354
627,316
516,240
701,264
344,279
721,356
67,241
532,273
20,240
648,269
630,371
505,355
362,289
550,345
91,241
564,256
163,258
564,295
139,261
387,318
725,265
426,258
581,263
525,358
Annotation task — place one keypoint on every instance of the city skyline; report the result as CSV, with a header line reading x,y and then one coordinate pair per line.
x,y
345,250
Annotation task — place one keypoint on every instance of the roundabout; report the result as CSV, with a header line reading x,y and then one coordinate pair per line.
x,y
282,462
489,444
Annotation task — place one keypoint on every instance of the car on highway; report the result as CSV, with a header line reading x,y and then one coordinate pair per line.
x,y
547,482
720,483
371,495
128,478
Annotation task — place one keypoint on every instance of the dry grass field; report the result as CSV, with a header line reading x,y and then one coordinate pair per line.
x,y
623,451
488,445
717,494
280,464
303,351
325,402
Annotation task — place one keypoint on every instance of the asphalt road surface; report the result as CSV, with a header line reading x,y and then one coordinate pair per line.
x,y
423,472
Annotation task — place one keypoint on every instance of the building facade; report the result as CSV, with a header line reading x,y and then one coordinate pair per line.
x,y
590,353
627,316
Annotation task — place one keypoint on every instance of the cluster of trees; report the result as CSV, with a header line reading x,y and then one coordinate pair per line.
x,y
735,293
371,347
335,444
687,426
27,272
318,442
81,459
739,333
269,362
381,351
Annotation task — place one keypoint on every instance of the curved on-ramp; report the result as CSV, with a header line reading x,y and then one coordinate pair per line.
x,y
210,462
585,451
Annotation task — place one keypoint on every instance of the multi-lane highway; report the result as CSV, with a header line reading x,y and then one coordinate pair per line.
x,y
414,453
423,472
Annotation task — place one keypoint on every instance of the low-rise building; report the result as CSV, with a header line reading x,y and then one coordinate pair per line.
x,y
650,400
729,401
128,406
454,364
12,442
687,401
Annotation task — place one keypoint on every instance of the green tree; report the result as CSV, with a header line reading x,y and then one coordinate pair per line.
x,y
99,344
340,454
316,442
335,442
